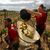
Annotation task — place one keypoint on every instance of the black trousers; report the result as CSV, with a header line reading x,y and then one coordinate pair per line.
x,y
38,42
15,46
40,30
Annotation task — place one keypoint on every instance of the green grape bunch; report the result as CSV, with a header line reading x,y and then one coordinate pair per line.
x,y
47,33
3,31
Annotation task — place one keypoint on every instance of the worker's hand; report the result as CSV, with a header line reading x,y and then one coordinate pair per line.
x,y
37,14
32,45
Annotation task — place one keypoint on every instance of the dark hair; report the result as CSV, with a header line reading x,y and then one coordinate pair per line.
x,y
8,19
25,15
42,6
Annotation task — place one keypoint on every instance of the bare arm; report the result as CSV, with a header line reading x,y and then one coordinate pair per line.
x,y
33,13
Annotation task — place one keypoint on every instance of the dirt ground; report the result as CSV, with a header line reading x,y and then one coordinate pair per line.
x,y
45,45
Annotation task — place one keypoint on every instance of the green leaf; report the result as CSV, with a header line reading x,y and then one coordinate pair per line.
x,y
47,33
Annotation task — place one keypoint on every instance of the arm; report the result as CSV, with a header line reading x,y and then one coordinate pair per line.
x,y
34,14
